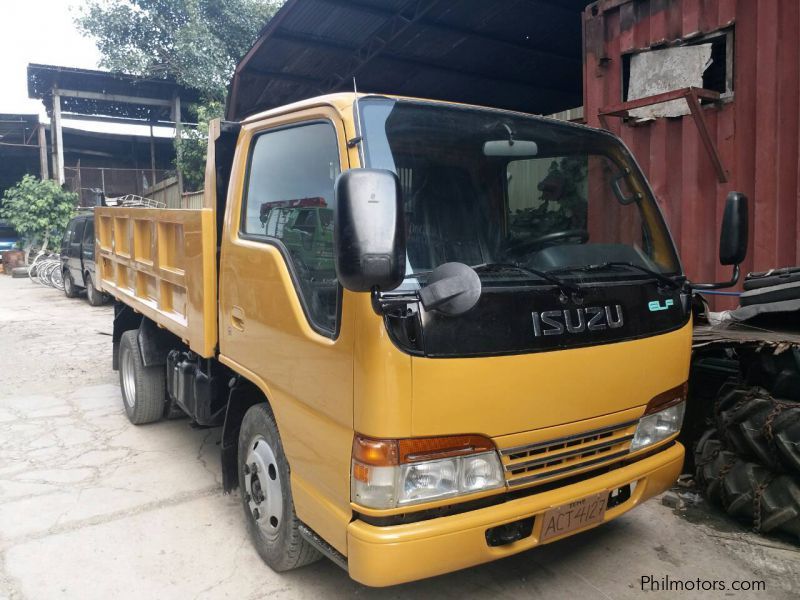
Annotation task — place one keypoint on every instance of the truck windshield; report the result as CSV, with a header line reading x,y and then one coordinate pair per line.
x,y
512,195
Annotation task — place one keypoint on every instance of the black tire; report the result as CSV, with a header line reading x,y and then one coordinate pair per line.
x,y
94,297
748,491
144,400
760,427
282,547
70,290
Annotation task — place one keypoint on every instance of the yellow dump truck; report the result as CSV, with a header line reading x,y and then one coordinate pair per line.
x,y
433,335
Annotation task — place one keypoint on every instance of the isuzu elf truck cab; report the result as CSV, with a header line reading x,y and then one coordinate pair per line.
x,y
488,352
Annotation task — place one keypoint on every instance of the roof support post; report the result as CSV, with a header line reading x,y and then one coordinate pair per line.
x,y
176,116
43,171
152,157
57,140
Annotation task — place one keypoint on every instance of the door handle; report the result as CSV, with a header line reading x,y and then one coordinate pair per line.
x,y
237,317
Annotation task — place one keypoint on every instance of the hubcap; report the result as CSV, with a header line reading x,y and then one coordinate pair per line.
x,y
128,380
262,483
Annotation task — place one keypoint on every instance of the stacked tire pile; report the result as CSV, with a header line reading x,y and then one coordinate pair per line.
x,y
750,462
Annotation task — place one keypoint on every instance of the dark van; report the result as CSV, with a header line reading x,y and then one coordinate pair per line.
x,y
77,260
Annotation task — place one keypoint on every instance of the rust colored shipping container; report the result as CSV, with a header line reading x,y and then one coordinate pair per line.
x,y
753,127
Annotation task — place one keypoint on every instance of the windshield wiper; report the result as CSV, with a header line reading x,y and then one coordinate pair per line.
x,y
566,288
563,286
619,264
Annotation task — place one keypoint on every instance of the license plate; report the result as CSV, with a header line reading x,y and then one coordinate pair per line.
x,y
575,515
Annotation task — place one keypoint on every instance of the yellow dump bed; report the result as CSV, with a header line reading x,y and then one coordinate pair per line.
x,y
162,263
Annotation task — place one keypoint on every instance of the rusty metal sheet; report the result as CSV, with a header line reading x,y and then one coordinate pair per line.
x,y
755,131
740,333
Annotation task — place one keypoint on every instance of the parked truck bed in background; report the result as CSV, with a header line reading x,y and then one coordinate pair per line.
x,y
434,335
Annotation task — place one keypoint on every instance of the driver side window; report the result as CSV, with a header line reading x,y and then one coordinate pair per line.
x,y
290,201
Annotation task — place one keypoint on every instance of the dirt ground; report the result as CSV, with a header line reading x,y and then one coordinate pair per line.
x,y
93,507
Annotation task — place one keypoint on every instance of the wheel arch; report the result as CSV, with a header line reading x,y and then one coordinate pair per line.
x,y
155,343
125,319
243,395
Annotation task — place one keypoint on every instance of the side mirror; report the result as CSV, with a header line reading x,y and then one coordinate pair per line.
x,y
369,231
732,239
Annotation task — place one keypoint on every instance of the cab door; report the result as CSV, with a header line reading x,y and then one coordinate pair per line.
x,y
283,321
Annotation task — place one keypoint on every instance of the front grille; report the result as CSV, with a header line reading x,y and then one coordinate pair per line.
x,y
553,459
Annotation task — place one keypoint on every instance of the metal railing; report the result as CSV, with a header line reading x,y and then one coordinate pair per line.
x,y
89,182
134,200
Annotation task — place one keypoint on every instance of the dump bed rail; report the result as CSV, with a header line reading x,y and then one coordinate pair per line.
x,y
162,263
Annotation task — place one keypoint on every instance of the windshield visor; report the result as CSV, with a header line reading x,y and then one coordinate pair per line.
x,y
491,188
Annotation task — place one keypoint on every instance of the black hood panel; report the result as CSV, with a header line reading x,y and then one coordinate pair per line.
x,y
525,320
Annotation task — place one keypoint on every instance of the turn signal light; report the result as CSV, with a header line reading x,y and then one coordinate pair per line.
x,y
666,399
391,473
382,453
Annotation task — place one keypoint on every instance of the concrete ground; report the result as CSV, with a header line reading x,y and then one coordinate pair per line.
x,y
93,507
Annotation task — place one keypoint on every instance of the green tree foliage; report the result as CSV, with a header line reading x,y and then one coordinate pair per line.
x,y
195,42
39,210
195,143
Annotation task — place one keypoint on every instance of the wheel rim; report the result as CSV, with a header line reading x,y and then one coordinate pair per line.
x,y
90,289
262,483
68,283
128,379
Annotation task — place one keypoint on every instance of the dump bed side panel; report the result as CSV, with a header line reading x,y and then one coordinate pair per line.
x,y
162,263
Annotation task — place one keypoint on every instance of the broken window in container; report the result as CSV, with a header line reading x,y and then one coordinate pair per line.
x,y
706,62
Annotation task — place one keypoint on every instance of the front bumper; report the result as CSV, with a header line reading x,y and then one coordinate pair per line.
x,y
382,556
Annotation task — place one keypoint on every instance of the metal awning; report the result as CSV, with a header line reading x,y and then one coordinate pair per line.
x,y
91,92
90,95
518,54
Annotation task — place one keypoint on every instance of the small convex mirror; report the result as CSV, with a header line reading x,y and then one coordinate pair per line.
x,y
452,289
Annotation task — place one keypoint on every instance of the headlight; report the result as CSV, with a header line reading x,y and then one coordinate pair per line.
x,y
658,426
392,473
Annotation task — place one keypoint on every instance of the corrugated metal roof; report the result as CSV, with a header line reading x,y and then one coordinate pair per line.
x,y
516,54
43,78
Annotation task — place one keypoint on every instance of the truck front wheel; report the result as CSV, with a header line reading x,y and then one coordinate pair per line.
x,y
143,388
267,496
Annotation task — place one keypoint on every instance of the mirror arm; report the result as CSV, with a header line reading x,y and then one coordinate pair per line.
x,y
383,303
720,285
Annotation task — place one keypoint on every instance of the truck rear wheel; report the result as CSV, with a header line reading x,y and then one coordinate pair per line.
x,y
143,388
267,495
